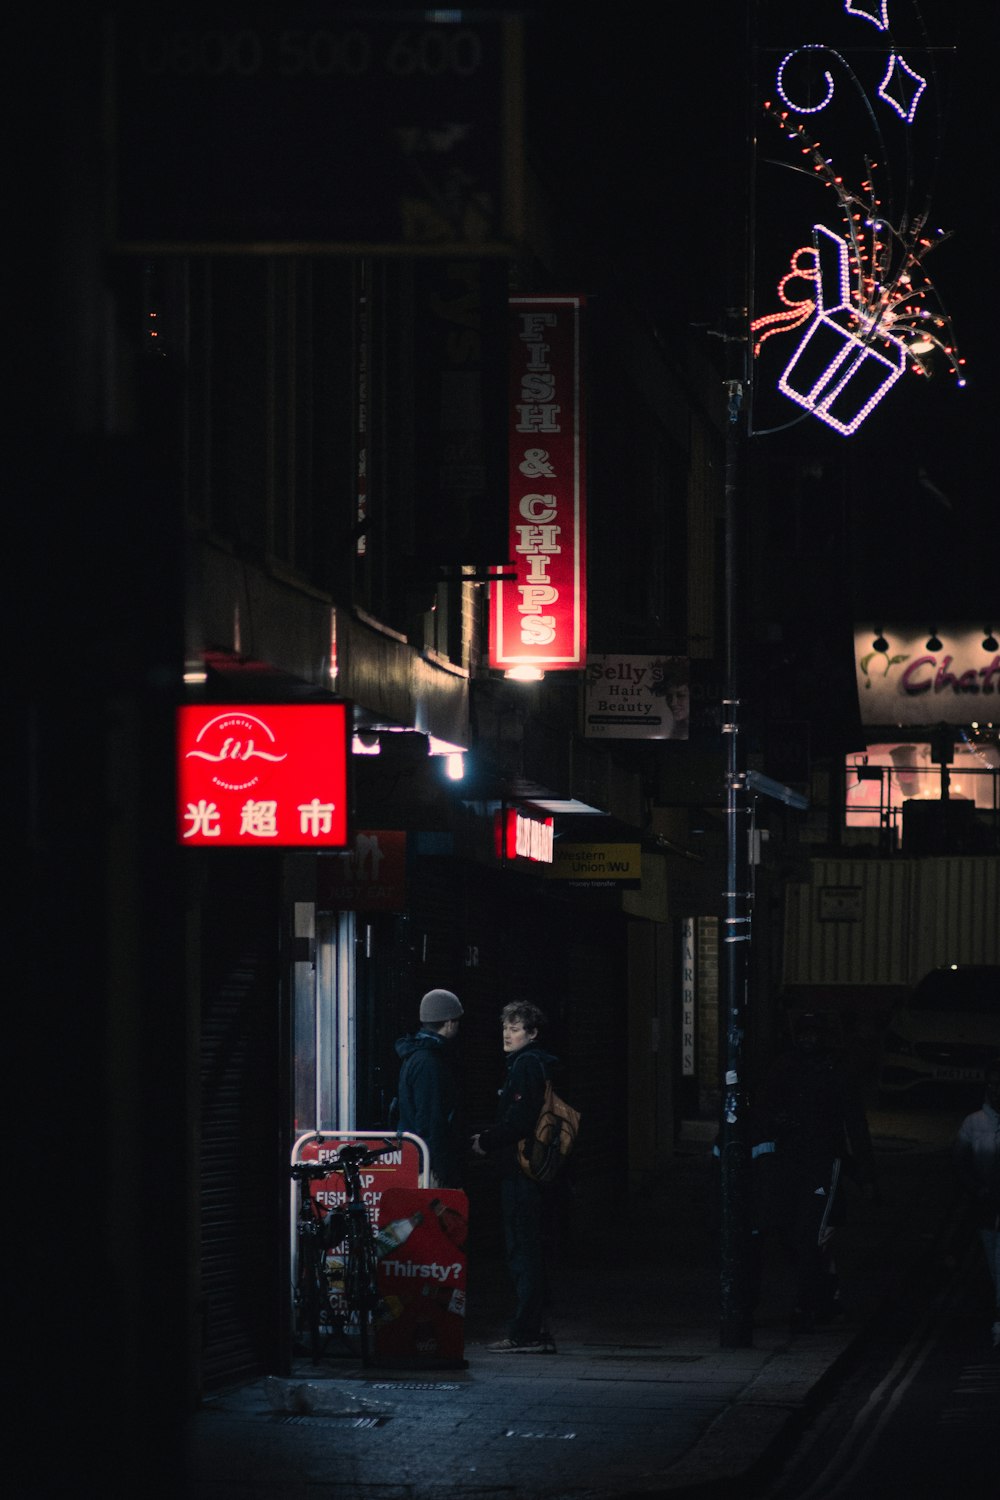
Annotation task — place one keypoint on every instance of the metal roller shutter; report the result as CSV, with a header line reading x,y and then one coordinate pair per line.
x,y
242,1208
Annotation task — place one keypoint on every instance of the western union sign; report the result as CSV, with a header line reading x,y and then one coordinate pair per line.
x,y
599,865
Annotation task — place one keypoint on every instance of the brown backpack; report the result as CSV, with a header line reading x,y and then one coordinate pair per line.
x,y
543,1154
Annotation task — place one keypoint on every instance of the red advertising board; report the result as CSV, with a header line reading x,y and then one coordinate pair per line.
x,y
423,1280
403,1168
538,615
255,775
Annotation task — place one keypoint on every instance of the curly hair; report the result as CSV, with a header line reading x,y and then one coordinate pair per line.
x,y
530,1016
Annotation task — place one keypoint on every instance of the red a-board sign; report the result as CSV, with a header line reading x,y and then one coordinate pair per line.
x,y
420,1243
422,1282
259,775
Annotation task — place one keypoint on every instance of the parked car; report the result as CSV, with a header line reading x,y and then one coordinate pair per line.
x,y
945,1033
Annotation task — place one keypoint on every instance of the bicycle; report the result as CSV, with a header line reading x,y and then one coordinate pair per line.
x,y
340,1293
318,1230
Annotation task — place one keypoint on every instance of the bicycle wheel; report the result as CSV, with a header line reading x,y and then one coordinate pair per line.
x,y
360,1290
312,1292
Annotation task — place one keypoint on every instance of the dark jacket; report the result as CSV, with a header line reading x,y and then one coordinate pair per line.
x,y
429,1104
520,1099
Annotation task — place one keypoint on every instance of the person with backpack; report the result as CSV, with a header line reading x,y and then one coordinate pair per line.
x,y
523,1207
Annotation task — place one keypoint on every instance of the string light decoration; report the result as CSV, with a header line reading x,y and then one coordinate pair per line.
x,y
876,11
844,364
862,295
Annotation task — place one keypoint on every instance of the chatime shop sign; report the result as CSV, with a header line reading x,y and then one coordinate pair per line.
x,y
911,675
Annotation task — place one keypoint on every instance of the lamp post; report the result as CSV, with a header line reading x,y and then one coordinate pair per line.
x,y
742,787
734,1143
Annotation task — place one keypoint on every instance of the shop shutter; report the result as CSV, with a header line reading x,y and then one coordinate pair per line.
x,y
243,1210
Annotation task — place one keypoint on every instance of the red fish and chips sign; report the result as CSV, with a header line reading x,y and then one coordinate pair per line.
x,y
258,775
539,600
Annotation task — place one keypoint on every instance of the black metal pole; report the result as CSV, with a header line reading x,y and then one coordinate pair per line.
x,y
734,1142
736,1320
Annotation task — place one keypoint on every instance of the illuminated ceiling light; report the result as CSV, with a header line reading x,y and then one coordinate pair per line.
x,y
452,755
364,742
933,642
524,674
198,675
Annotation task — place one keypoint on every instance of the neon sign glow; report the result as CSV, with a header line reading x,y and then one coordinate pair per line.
x,y
538,603
519,836
860,293
258,776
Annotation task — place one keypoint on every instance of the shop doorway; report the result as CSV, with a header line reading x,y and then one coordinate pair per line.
x,y
325,1083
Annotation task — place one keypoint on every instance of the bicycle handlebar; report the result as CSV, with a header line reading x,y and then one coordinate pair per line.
x,y
347,1159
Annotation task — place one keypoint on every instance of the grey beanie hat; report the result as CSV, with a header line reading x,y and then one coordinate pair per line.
x,y
440,1005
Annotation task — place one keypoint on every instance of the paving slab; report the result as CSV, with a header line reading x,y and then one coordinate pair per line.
x,y
640,1399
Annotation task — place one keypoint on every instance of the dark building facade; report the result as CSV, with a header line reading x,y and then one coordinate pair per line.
x,y
256,472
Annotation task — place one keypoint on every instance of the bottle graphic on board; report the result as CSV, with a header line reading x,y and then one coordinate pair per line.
x,y
391,1236
454,1224
452,1300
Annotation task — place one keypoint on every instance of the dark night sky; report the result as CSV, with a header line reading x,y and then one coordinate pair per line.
x,y
653,126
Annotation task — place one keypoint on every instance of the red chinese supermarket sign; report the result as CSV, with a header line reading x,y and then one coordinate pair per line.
x,y
538,608
262,774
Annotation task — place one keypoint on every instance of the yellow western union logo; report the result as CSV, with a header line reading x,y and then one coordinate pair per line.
x,y
596,862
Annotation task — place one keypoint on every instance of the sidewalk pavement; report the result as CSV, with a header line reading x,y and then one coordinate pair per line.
x,y
639,1400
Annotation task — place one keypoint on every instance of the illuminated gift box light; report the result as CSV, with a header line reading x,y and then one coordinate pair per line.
x,y
838,373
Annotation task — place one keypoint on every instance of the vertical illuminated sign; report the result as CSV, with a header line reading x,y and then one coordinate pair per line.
x,y
260,775
538,607
687,998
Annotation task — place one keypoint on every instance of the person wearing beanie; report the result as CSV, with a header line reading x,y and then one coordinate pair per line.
x,y
429,1102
